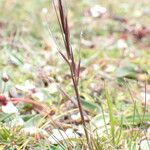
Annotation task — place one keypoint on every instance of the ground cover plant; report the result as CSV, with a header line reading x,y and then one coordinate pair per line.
x,y
74,75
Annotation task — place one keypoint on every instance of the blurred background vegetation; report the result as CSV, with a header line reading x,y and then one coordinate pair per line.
x,y
113,38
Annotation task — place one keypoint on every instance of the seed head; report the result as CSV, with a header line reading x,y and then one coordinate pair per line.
x,y
5,77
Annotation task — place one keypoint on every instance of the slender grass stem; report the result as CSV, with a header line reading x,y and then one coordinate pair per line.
x,y
110,108
70,60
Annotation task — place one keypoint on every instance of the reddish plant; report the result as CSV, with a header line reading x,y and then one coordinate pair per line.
x,y
3,100
42,109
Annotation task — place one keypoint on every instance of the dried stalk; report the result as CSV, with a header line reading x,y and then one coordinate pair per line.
x,y
69,58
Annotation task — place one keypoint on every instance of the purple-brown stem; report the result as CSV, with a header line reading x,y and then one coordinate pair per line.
x,y
74,68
